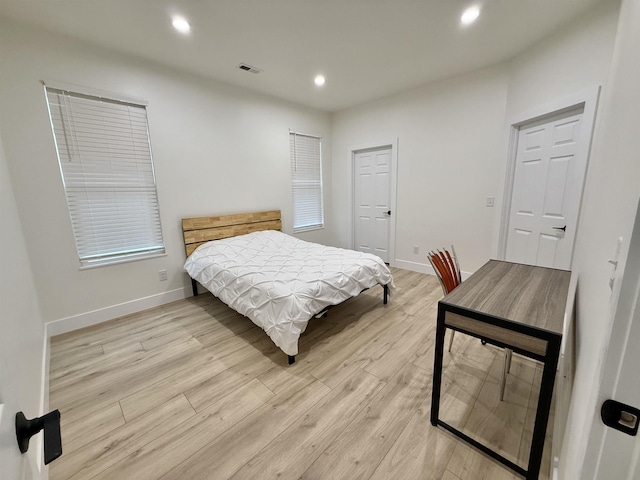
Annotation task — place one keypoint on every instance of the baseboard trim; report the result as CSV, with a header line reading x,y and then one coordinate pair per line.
x,y
44,374
414,266
44,404
422,268
76,322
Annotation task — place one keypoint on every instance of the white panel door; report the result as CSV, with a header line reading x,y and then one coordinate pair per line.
x,y
372,181
547,187
619,456
613,454
12,463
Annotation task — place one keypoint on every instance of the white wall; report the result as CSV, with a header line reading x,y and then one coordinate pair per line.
x,y
609,210
217,149
574,58
449,158
22,386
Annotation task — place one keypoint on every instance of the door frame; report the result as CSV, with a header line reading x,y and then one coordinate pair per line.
x,y
588,99
393,145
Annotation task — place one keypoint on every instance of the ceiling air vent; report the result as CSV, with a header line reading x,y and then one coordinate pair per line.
x,y
249,68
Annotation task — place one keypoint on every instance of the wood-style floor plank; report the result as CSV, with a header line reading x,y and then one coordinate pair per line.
x,y
193,390
77,435
111,384
421,451
398,347
253,432
295,449
499,424
356,453
112,449
152,460
128,326
112,367
194,373
466,463
62,363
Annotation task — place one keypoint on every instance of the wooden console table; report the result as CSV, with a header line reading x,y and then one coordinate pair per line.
x,y
514,306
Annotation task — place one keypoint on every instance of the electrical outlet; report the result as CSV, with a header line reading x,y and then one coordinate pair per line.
x,y
162,275
490,201
416,249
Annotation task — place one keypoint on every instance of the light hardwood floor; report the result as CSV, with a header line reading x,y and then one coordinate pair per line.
x,y
192,390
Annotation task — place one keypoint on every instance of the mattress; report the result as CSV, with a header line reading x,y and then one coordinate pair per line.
x,y
281,282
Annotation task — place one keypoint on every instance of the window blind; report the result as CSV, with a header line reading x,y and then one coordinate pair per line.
x,y
306,176
107,171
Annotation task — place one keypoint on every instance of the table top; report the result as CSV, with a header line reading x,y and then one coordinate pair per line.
x,y
525,294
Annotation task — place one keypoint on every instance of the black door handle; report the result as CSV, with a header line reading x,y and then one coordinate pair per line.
x,y
564,229
620,417
50,423
388,212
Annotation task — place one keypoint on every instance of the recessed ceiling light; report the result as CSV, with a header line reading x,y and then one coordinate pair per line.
x,y
319,80
181,24
470,15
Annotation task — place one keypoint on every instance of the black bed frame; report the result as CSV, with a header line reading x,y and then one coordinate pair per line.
x,y
292,358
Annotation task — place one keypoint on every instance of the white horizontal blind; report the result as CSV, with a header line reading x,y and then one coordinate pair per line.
x,y
306,176
107,170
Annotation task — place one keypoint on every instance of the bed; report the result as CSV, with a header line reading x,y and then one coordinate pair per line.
x,y
276,280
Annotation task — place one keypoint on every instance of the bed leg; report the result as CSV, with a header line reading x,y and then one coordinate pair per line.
x,y
194,287
292,359
385,294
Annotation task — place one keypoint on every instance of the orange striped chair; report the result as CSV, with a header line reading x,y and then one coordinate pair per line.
x,y
445,264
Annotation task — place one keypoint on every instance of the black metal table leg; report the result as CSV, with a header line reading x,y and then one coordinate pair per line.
x,y
544,406
437,366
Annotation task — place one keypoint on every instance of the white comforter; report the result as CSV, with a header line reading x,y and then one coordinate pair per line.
x,y
280,282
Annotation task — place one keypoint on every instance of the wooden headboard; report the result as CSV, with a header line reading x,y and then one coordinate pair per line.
x,y
199,230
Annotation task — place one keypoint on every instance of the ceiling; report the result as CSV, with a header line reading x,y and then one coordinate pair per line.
x,y
367,49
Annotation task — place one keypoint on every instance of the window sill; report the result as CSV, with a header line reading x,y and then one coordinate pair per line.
x,y
106,263
308,229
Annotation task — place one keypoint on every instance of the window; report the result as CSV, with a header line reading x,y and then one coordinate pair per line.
x,y
306,182
107,171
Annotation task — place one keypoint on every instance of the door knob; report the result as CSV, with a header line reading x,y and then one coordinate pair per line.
x,y
564,229
388,212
